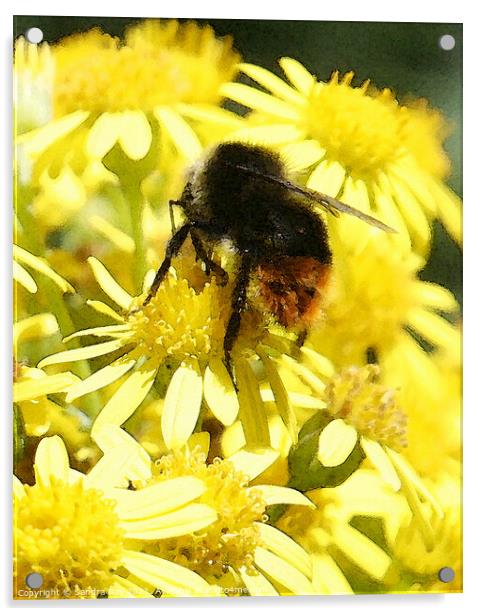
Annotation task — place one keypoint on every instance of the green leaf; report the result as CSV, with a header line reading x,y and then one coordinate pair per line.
x,y
306,471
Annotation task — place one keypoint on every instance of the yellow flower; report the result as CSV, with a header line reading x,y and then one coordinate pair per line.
x,y
178,339
76,530
424,565
339,551
359,145
109,92
157,63
377,306
238,551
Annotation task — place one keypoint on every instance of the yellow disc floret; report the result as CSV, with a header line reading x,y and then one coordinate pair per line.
x,y
158,63
180,322
231,540
69,535
355,396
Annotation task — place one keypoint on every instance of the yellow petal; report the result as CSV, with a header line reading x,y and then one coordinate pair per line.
x,y
101,378
449,209
103,135
41,265
51,460
274,495
257,584
328,577
37,141
158,499
435,296
101,332
135,135
111,438
36,326
251,408
328,178
377,455
271,82
181,406
34,388
301,155
23,277
435,329
281,571
282,545
183,521
320,363
167,576
87,352
120,239
111,471
412,212
388,212
109,285
361,550
220,393
302,80
252,463
280,394
305,374
182,135
104,309
336,443
210,114
199,440
251,97
126,399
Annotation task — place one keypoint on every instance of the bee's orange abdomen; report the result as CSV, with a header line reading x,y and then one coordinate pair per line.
x,y
292,288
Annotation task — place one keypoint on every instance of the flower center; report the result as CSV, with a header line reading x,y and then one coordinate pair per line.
x,y
360,131
355,396
157,64
180,322
69,535
231,540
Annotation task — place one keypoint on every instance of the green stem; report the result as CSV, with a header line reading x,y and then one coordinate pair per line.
x,y
133,195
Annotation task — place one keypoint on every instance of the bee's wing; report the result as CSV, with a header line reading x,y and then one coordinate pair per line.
x,y
334,207
329,203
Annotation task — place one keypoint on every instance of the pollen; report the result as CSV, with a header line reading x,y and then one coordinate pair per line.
x,y
157,63
231,540
355,396
69,535
360,131
180,321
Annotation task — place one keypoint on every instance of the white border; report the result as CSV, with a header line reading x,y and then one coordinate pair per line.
x,y
342,10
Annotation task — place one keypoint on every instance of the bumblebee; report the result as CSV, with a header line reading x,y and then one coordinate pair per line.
x,y
241,193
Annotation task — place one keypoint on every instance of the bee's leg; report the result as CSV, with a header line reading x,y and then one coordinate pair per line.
x,y
203,256
237,305
300,340
171,214
173,247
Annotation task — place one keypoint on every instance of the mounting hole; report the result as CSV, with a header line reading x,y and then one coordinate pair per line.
x,y
446,574
34,580
446,42
34,35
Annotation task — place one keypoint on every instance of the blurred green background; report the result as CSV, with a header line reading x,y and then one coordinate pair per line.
x,y
405,57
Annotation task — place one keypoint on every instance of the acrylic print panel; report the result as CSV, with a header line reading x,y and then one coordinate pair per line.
x,y
237,308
